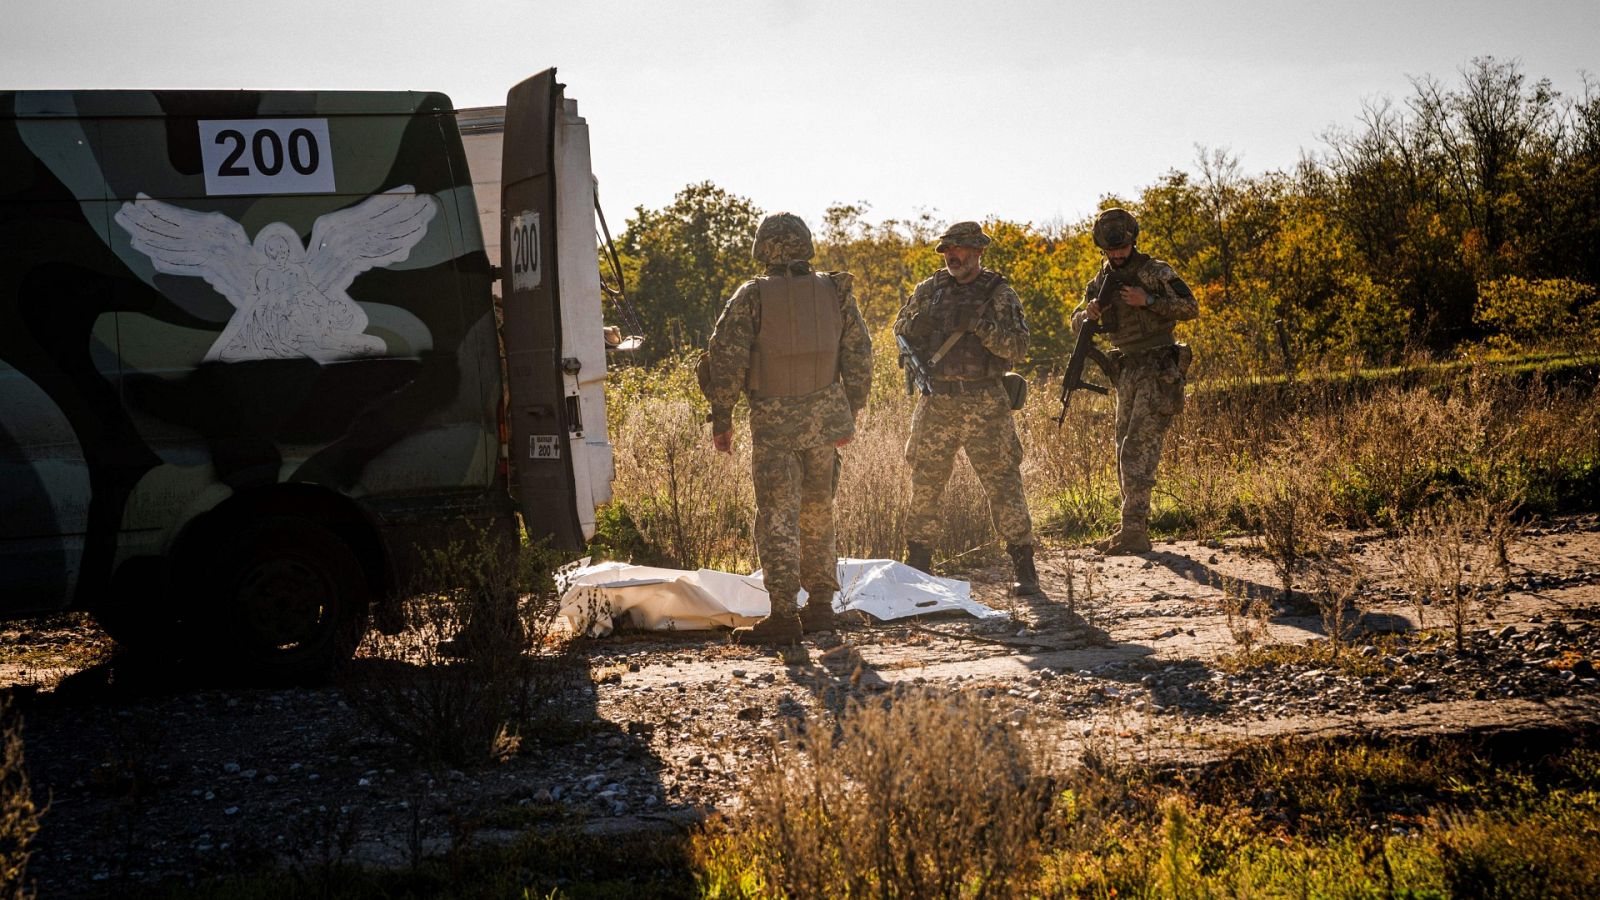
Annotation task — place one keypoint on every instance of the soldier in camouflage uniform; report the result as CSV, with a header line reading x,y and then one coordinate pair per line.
x,y
793,341
966,326
1153,364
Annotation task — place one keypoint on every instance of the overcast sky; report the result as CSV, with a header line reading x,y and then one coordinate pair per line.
x,y
1027,110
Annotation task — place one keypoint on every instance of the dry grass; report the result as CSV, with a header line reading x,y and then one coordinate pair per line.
x,y
19,816
925,796
1245,612
1339,591
480,665
1379,452
1444,554
1286,505
691,505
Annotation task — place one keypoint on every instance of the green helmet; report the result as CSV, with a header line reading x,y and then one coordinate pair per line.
x,y
1115,227
782,238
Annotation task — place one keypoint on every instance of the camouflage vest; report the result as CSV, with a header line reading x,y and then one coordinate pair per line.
x,y
797,336
1137,328
968,360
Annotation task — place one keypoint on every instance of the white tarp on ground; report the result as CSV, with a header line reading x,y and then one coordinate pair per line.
x,y
675,599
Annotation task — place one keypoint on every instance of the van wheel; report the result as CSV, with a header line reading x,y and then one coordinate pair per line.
x,y
294,602
140,611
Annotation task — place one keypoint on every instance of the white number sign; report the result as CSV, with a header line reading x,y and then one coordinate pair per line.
x,y
526,271
544,446
266,156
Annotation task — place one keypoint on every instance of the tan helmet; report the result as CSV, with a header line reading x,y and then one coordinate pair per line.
x,y
1115,227
782,238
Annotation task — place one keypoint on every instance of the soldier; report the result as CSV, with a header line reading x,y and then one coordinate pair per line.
x,y
1150,377
965,325
794,342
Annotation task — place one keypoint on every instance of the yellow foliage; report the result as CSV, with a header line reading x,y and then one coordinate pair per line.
x,y
1525,313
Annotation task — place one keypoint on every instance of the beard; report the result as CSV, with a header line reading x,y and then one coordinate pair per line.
x,y
963,271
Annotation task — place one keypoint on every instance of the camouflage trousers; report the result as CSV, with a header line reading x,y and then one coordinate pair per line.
x,y
1149,394
794,520
981,424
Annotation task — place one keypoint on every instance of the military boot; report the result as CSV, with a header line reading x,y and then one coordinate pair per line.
x,y
781,629
818,614
1128,539
1027,583
919,557
1105,544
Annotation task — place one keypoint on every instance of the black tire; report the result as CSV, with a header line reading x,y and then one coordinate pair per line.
x,y
288,602
140,611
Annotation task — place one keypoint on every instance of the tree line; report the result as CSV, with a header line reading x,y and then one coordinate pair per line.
x,y
1463,215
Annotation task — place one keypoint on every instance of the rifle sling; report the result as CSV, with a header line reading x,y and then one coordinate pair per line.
x,y
945,348
949,342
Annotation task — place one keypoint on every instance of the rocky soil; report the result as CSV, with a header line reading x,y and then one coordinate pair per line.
x,y
149,777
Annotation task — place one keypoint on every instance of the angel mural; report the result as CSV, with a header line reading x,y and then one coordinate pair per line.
x,y
289,300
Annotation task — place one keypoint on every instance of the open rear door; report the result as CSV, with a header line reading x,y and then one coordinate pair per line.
x,y
555,348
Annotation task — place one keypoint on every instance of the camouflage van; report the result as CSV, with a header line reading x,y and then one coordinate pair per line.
x,y
250,365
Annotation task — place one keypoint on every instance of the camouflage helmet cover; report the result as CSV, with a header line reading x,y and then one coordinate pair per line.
x,y
962,234
1115,227
781,238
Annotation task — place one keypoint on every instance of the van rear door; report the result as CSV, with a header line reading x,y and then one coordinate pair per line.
x,y
555,348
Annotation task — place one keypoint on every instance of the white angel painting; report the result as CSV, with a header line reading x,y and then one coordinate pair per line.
x,y
289,300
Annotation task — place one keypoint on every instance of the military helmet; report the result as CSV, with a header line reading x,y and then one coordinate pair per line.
x,y
962,234
1115,227
782,238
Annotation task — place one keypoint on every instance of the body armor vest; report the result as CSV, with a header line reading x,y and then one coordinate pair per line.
x,y
797,336
952,302
1138,329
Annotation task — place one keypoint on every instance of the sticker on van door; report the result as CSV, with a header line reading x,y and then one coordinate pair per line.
x,y
266,156
289,299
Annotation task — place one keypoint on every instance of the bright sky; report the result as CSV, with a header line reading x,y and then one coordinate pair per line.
x,y
1027,110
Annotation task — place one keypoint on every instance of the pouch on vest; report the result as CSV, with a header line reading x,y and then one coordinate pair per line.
x,y
1016,389
702,373
1185,357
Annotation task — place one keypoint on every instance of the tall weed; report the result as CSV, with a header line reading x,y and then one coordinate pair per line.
x,y
481,665
19,815
691,505
922,796
1443,555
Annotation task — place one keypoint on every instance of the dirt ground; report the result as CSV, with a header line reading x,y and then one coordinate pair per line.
x,y
149,777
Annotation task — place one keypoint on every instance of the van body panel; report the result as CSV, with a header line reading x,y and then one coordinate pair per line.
x,y
207,297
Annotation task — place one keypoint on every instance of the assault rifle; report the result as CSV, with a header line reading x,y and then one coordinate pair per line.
x,y
1109,300
918,377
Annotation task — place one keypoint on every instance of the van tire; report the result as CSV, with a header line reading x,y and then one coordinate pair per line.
x,y
291,602
140,611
